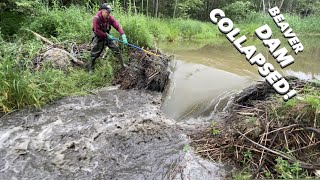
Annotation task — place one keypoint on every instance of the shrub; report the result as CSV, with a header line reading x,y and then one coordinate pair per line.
x,y
71,23
239,10
136,29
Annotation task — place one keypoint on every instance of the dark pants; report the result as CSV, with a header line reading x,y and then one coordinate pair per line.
x,y
99,45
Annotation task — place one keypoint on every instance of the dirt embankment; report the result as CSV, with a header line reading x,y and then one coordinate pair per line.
x,y
262,131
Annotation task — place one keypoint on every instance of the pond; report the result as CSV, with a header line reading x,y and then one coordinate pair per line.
x,y
206,75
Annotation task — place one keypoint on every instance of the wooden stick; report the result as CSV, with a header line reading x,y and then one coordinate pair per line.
x,y
41,37
305,165
74,59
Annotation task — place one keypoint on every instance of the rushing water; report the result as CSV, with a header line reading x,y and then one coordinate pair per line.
x,y
204,76
113,134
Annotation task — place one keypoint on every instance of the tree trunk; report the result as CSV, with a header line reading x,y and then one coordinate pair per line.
x,y
135,8
157,8
142,7
147,7
154,8
129,7
263,6
281,4
175,7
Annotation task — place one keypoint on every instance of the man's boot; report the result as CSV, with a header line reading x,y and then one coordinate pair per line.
x,y
90,64
120,58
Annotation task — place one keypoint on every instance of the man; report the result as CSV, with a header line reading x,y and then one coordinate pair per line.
x,y
102,23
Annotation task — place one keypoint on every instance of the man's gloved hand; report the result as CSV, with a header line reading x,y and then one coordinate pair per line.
x,y
124,39
111,37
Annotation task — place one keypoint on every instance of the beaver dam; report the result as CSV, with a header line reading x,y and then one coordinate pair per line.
x,y
266,137
121,132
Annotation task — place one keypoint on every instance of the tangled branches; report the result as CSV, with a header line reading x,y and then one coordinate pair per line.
x,y
144,72
261,130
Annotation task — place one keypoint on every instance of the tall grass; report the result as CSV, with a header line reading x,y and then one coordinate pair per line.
x,y
75,23
299,25
20,86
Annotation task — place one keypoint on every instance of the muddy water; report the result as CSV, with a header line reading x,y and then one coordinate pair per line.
x,y
112,134
205,75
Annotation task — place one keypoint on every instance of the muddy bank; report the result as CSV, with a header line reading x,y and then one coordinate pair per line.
x,y
112,134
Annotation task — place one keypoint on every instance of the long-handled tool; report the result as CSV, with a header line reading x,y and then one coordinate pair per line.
x,y
137,47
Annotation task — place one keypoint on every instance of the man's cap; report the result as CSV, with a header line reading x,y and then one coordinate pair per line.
x,y
106,6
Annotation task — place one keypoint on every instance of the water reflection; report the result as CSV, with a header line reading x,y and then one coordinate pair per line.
x,y
205,72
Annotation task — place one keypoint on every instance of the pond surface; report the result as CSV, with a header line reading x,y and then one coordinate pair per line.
x,y
204,76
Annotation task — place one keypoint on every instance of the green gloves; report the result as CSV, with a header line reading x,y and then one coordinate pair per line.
x,y
124,39
123,36
111,37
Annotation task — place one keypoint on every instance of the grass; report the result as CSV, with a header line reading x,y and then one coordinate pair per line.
x,y
283,168
20,86
306,106
299,25
73,24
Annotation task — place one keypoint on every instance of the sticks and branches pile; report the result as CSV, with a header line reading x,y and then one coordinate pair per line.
x,y
145,72
261,131
59,55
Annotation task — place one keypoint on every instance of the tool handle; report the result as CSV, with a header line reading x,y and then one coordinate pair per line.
x,y
141,49
129,44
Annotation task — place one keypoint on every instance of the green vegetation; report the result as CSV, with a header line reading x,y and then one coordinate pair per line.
x,y
243,175
214,129
70,22
62,26
20,86
65,22
283,168
289,171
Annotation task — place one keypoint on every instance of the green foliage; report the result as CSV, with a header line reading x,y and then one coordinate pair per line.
x,y
63,23
186,148
16,91
288,171
1,37
73,23
10,23
157,28
22,6
305,107
21,87
242,176
188,7
136,29
239,10
214,129
247,156
308,24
